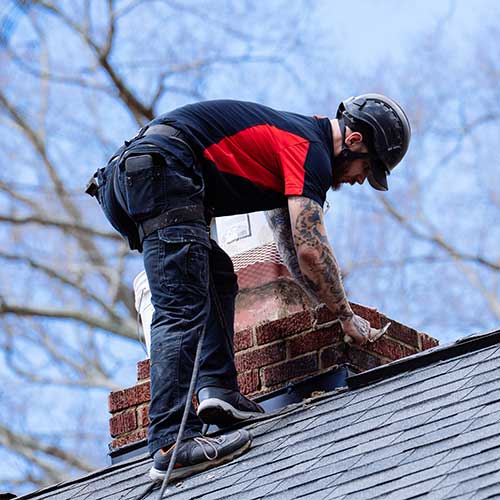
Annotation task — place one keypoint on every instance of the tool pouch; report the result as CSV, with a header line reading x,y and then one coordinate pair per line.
x,y
144,186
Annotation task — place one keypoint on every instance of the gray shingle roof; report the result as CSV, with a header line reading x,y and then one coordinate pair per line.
x,y
431,432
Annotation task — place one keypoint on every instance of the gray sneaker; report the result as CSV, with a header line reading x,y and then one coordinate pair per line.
x,y
224,407
200,453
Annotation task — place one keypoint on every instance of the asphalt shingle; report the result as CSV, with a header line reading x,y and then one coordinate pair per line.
x,y
429,433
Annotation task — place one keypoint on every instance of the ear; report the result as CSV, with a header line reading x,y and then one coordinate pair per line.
x,y
353,138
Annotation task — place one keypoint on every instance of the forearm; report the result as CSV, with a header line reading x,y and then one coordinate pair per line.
x,y
279,221
322,275
317,260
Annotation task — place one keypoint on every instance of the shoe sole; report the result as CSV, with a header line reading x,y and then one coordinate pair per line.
x,y
158,475
215,411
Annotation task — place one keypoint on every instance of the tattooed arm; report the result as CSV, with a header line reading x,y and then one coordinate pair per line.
x,y
279,221
319,267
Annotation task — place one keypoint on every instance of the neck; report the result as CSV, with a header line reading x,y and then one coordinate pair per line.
x,y
337,137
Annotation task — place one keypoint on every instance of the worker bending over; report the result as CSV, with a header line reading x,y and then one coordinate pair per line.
x,y
223,157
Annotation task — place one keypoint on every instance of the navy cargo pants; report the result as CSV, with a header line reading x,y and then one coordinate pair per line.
x,y
185,269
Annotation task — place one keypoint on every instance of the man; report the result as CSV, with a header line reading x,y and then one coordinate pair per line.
x,y
222,158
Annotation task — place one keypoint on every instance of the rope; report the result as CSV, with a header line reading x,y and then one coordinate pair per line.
x,y
194,376
186,413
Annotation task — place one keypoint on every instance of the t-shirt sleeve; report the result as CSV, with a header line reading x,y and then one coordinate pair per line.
x,y
306,171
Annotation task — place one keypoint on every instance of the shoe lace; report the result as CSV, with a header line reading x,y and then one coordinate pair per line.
x,y
211,443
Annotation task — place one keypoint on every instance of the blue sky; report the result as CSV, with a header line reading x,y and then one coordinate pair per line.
x,y
373,30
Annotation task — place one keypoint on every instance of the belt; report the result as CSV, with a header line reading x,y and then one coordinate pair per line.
x,y
162,129
172,133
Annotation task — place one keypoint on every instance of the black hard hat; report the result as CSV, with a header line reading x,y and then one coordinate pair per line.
x,y
386,130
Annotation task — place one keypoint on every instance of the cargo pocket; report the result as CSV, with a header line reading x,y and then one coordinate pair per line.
x,y
144,186
185,256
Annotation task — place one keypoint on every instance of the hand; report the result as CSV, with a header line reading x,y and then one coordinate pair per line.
x,y
359,331
356,329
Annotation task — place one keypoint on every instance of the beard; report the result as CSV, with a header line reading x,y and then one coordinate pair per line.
x,y
338,171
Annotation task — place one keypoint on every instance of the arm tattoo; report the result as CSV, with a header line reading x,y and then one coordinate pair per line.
x,y
279,221
324,275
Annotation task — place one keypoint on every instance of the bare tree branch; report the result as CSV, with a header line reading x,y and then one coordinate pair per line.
x,y
111,29
132,102
44,74
491,297
30,202
435,238
122,328
36,141
63,278
28,445
70,227
87,369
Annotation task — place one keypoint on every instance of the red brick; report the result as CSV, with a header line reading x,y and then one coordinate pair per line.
x,y
331,356
313,340
243,339
133,396
122,423
402,333
143,370
284,327
260,356
290,369
427,341
362,360
323,315
249,381
390,349
143,415
373,317
133,437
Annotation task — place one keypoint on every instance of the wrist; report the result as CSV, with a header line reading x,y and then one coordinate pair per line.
x,y
346,316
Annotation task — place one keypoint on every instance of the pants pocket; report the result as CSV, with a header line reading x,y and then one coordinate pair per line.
x,y
144,186
185,255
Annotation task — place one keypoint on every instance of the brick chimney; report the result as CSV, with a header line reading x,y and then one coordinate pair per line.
x,y
279,339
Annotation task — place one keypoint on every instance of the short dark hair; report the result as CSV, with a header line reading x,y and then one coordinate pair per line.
x,y
366,132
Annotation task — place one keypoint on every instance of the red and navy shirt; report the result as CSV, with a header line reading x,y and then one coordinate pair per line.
x,y
255,156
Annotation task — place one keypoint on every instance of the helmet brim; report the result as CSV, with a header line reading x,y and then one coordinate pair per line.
x,y
377,176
